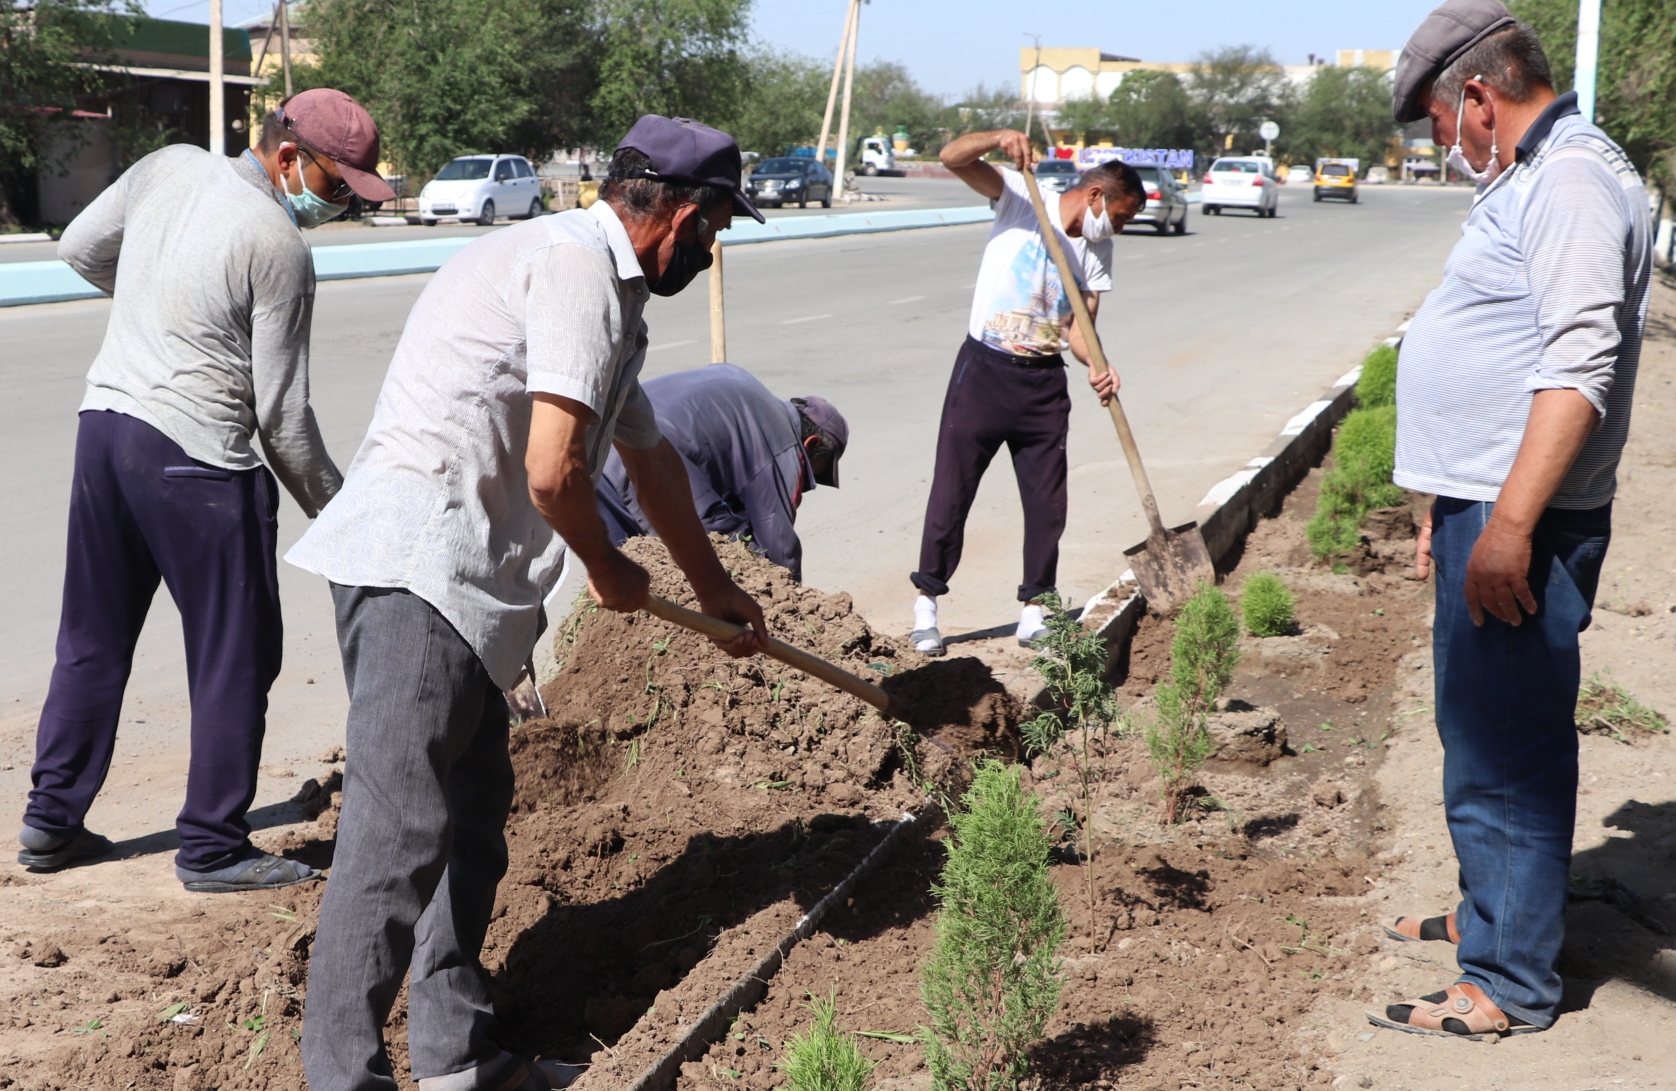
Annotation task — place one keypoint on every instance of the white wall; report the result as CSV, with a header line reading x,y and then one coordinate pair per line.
x,y
1076,82
1042,84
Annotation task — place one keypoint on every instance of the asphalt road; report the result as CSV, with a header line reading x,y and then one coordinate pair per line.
x,y
1220,337
881,193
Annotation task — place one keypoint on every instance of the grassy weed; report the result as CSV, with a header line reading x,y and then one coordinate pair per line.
x,y
1606,708
826,1058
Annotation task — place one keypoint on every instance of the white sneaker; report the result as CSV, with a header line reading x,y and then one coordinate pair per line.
x,y
1031,625
925,637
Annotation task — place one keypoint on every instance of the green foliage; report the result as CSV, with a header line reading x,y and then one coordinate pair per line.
x,y
1364,457
1341,112
1072,663
1605,708
1378,385
680,58
1267,605
1234,90
1203,656
825,1059
992,981
1636,84
38,41
1152,110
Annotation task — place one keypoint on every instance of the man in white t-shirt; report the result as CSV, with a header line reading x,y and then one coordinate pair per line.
x,y
1009,382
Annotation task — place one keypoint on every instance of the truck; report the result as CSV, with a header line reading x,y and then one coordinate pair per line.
x,y
875,156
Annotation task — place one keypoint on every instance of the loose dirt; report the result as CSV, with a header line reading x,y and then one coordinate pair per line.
x,y
679,811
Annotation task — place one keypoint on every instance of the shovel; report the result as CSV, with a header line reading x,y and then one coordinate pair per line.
x,y
829,673
1172,563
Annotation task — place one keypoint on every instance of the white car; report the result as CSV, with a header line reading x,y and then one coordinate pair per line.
x,y
1241,182
481,187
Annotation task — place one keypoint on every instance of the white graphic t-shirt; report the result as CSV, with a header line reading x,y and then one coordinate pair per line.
x,y
1019,305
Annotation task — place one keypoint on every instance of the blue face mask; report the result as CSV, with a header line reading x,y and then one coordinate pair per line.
x,y
308,207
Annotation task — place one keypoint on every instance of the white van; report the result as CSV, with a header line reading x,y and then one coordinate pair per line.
x,y
481,187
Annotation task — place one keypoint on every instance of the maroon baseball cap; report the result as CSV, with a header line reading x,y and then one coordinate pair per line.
x,y
339,128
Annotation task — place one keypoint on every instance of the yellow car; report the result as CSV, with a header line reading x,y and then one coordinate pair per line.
x,y
1335,180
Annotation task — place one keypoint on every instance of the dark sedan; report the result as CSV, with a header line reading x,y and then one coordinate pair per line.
x,y
787,180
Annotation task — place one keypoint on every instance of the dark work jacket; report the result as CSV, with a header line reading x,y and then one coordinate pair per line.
x,y
744,455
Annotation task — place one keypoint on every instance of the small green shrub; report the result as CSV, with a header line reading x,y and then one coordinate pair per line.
x,y
1072,663
825,1059
1378,385
1364,457
1202,661
1267,605
992,981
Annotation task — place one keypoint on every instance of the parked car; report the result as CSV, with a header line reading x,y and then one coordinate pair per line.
x,y
788,178
1300,174
1241,182
1057,175
1166,204
481,187
1336,180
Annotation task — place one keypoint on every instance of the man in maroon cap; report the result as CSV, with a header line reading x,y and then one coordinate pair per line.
x,y
205,359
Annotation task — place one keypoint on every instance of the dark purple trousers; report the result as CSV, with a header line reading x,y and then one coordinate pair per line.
x,y
995,398
142,511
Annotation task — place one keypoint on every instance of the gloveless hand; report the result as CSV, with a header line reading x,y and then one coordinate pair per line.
x,y
1105,385
1015,146
1497,575
1423,548
619,584
729,602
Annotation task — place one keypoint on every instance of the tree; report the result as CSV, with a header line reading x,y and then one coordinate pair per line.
x,y
1636,84
1151,109
1343,112
38,42
447,77
1235,89
682,58
786,94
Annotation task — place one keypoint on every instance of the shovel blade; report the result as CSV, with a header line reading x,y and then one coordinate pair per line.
x,y
1171,567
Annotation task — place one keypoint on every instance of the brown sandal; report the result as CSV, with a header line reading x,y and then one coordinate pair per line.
x,y
1460,1011
1410,929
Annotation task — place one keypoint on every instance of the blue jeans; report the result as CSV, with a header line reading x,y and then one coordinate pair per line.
x,y
1506,706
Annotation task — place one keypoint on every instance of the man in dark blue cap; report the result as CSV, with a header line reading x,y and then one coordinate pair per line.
x,y
517,374
1513,404
750,458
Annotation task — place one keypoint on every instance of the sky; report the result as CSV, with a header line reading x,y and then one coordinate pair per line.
x,y
952,45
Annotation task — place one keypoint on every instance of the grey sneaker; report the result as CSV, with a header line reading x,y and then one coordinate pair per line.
x,y
43,851
263,872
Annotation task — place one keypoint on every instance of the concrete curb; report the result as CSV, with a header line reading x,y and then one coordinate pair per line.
x,y
695,1039
1233,505
26,282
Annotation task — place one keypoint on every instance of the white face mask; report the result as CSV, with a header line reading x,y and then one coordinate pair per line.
x,y
1457,158
1097,230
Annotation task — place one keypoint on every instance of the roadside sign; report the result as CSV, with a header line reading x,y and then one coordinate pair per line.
x,y
1268,130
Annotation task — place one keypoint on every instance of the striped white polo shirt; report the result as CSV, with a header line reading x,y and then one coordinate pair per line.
x,y
1546,290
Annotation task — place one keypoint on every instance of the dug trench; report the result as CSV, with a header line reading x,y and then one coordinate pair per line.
x,y
677,812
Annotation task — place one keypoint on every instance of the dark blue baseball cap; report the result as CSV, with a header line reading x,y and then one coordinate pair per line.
x,y
682,150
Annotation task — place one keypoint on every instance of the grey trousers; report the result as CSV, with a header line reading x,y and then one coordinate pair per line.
x,y
421,847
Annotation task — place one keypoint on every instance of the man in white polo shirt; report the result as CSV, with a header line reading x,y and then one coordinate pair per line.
x,y
516,375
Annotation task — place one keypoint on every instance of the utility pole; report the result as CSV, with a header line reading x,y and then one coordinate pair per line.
x,y
844,116
217,85
285,42
837,74
1588,56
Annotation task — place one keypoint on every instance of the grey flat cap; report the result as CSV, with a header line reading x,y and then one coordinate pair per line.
x,y
1439,42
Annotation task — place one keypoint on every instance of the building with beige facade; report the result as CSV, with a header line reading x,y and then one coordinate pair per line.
x,y
1057,74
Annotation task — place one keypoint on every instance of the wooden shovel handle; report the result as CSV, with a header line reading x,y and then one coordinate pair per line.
x,y
1096,353
718,629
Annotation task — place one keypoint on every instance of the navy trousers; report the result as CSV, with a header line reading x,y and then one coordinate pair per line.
x,y
142,511
1506,707
995,398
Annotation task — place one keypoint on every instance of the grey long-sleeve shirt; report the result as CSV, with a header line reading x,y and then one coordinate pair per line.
x,y
212,292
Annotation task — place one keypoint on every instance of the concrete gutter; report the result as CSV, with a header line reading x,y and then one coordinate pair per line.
x,y
1233,505
27,282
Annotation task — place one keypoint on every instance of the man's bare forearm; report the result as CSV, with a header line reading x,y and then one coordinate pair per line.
x,y
1560,422
561,488
661,486
965,150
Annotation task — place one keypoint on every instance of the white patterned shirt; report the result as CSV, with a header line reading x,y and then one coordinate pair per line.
x,y
437,499
1547,290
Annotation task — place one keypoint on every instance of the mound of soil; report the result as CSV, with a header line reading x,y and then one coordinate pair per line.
x,y
675,802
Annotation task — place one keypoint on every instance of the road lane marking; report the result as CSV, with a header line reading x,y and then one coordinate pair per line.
x,y
905,299
805,318
670,345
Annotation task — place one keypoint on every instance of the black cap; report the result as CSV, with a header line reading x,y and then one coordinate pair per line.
x,y
682,150
1441,40
825,416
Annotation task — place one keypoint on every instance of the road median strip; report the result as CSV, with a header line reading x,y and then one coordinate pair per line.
x,y
28,282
